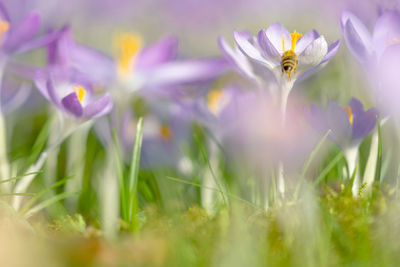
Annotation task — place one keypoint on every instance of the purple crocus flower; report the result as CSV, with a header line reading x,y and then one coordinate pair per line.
x,y
19,37
348,125
72,97
379,54
273,45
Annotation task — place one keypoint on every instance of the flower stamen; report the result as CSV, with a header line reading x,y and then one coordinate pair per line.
x,y
80,92
295,37
128,46
165,132
4,27
349,114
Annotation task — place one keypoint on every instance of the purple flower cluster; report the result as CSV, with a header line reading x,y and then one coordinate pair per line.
x,y
84,84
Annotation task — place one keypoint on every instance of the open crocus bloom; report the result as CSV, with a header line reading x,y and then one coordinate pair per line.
x,y
348,125
75,98
274,45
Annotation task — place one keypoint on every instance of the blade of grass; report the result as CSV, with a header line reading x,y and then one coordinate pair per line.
x,y
328,168
133,176
308,163
214,189
49,202
204,154
32,201
18,177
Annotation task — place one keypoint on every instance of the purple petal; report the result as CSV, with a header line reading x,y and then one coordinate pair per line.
x,y
237,59
23,32
275,32
305,41
356,35
3,13
267,47
357,108
72,104
158,53
332,50
386,31
339,123
99,107
364,124
39,42
187,72
93,64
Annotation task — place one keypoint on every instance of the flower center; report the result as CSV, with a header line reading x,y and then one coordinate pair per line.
x,y
165,132
214,100
4,27
349,114
80,92
128,46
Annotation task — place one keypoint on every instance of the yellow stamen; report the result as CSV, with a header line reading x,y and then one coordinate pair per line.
x,y
349,114
128,46
214,100
4,27
80,92
283,43
295,37
165,132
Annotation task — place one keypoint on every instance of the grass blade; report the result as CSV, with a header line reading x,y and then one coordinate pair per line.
x,y
133,176
49,202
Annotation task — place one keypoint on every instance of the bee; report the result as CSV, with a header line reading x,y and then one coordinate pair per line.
x,y
289,62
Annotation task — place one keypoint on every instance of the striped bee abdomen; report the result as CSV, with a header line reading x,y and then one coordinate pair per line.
x,y
289,62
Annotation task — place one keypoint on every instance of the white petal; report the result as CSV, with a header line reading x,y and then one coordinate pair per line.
x,y
312,55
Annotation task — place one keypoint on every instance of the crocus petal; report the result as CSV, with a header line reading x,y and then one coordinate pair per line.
x,y
158,53
3,13
332,50
186,72
305,41
248,48
364,124
93,64
268,48
339,123
39,42
275,32
99,107
357,108
71,104
236,58
312,55
386,31
356,35
23,32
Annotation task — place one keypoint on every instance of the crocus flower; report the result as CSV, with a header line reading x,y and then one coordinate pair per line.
x,y
19,37
73,97
379,54
288,56
349,126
